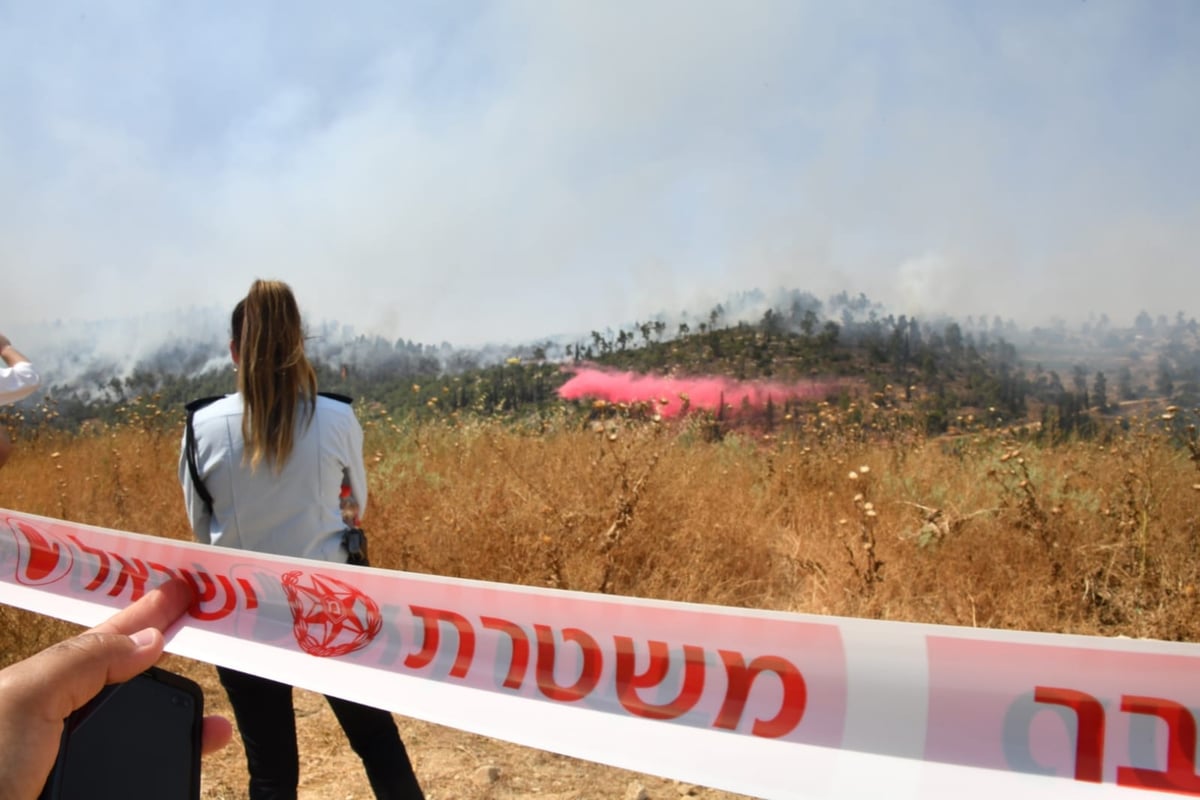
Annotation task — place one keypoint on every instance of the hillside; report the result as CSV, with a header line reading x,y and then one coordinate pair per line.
x,y
939,374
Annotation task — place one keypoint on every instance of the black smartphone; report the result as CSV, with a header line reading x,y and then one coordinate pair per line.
x,y
137,739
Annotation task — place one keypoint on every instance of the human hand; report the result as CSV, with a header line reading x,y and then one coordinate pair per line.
x,y
9,354
39,693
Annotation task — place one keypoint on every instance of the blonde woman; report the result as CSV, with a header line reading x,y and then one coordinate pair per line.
x,y
267,468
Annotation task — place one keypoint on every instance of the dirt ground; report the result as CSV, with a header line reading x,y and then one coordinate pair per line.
x,y
451,764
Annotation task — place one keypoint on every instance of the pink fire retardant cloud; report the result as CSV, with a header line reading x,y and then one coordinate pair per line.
x,y
703,392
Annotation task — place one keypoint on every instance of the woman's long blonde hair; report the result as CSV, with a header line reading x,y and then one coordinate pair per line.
x,y
275,378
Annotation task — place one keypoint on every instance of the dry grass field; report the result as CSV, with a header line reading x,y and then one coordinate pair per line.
x,y
1094,537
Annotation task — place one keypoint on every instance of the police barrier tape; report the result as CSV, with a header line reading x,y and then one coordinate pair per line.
x,y
760,703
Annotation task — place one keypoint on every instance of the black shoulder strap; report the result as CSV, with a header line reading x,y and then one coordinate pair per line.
x,y
341,398
190,447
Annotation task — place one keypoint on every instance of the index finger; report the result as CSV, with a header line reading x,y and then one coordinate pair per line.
x,y
158,608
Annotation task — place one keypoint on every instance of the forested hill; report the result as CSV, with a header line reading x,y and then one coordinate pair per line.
x,y
941,372
937,370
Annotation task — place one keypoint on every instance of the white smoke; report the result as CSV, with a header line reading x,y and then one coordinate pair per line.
x,y
926,284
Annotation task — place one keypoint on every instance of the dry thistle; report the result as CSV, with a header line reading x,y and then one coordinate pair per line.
x,y
864,559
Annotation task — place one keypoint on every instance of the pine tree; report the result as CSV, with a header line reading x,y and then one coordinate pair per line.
x,y
1100,392
1125,384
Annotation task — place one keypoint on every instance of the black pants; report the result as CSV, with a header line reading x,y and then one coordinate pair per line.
x,y
267,722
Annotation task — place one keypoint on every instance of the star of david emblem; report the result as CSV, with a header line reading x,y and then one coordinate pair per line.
x,y
330,617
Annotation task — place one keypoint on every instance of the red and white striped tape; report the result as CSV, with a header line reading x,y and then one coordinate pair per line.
x,y
761,703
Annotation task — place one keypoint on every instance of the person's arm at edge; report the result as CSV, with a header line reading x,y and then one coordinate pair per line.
x,y
20,377
10,354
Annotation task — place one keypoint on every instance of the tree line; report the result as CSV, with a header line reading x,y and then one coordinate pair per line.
x,y
940,368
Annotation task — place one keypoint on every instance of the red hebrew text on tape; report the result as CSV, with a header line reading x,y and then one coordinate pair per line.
x,y
755,674
1094,715
46,557
660,663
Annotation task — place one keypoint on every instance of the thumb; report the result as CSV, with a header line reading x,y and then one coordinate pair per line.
x,y
61,678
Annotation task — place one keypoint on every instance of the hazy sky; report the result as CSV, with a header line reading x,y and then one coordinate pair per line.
x,y
483,171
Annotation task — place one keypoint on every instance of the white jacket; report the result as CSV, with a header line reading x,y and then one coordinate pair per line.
x,y
294,512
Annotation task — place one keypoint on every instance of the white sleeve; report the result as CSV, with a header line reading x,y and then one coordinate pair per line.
x,y
18,382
